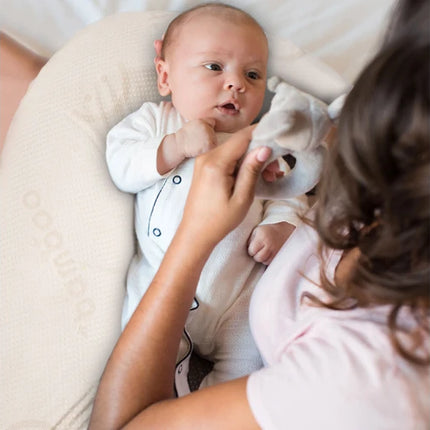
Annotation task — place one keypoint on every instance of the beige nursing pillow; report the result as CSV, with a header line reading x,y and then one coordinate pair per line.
x,y
66,231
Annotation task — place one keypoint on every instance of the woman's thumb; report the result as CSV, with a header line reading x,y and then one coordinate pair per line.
x,y
249,172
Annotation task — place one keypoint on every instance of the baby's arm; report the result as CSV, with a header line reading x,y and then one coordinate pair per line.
x,y
139,152
131,148
194,138
279,221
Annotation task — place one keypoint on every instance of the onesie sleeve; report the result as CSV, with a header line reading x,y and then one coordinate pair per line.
x,y
288,210
131,149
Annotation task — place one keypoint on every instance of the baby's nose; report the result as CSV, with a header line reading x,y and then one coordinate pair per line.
x,y
235,82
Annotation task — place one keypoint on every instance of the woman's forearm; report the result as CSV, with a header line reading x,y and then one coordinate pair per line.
x,y
141,368
140,371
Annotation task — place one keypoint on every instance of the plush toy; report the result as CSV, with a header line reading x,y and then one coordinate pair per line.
x,y
296,124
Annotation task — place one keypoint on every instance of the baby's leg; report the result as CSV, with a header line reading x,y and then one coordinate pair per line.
x,y
139,276
235,353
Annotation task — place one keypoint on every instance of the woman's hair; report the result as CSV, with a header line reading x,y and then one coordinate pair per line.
x,y
375,191
410,20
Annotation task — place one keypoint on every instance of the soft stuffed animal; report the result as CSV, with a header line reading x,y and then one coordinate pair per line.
x,y
296,124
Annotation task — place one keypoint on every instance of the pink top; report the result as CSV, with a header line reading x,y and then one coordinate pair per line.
x,y
327,369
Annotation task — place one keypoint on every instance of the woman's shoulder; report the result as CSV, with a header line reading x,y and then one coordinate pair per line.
x,y
342,373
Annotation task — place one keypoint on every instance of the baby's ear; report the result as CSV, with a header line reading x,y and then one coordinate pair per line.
x,y
162,77
158,45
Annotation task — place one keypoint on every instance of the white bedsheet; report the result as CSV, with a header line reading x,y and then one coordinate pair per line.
x,y
342,33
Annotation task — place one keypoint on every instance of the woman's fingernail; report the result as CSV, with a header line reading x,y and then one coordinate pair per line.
x,y
263,154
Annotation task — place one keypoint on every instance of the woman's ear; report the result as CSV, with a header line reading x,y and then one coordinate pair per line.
x,y
162,77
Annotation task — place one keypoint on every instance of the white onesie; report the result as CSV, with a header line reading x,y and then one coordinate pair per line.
x,y
218,325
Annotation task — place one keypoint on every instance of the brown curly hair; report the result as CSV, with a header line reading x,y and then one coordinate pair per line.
x,y
374,195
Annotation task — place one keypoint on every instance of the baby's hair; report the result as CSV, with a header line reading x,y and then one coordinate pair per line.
x,y
223,10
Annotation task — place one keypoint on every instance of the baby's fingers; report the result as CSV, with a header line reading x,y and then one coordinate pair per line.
x,y
254,246
260,253
272,172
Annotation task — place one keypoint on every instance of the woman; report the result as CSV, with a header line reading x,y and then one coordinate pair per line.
x,y
341,316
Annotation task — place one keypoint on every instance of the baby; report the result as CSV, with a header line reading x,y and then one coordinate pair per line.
x,y
212,63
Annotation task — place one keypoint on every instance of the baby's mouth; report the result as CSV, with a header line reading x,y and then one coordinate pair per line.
x,y
229,108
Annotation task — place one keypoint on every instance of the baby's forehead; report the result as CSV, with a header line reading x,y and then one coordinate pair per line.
x,y
195,18
221,12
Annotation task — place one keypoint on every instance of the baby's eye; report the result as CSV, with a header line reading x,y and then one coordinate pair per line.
x,y
213,66
253,75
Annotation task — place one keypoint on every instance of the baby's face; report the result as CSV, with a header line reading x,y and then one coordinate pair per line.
x,y
217,69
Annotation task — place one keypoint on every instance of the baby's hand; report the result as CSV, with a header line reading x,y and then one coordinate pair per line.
x,y
266,240
273,171
196,137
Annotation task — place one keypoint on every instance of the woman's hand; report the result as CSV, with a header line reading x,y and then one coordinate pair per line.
x,y
222,190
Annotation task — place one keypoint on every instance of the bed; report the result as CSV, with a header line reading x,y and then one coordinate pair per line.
x,y
66,233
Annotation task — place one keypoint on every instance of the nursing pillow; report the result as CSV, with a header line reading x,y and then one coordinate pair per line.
x,y
67,233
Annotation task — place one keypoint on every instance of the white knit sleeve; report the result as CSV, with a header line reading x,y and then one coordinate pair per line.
x,y
131,149
288,210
